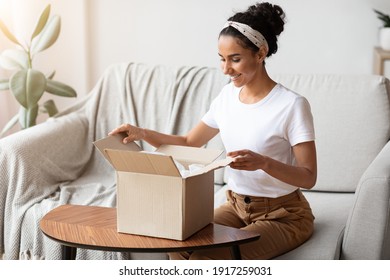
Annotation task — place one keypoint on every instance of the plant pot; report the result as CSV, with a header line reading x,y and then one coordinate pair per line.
x,y
384,38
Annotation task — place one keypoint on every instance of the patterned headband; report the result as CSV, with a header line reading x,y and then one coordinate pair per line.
x,y
253,35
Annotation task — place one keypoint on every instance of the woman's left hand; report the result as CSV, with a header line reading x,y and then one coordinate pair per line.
x,y
246,160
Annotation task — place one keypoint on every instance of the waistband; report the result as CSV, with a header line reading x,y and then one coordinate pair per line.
x,y
246,199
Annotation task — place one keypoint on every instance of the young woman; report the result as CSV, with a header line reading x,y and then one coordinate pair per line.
x,y
267,129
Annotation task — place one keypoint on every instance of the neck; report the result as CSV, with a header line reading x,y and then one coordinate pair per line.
x,y
258,88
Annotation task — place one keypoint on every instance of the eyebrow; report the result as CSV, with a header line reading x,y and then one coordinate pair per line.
x,y
230,55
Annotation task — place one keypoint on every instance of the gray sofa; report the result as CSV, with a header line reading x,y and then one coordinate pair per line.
x,y
55,162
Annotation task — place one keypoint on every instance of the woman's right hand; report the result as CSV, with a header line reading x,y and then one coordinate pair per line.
x,y
134,133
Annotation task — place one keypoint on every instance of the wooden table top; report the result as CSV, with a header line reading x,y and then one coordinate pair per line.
x,y
94,227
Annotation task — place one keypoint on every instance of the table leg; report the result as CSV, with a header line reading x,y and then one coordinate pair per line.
x,y
236,254
68,253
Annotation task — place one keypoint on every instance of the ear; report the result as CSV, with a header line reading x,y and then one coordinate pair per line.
x,y
262,53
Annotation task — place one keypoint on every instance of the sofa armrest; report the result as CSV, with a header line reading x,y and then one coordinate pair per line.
x,y
367,233
35,159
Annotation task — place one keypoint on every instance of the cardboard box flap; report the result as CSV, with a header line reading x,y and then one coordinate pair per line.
x,y
142,162
114,142
190,154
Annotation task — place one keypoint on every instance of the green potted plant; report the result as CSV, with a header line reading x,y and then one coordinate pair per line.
x,y
384,33
26,83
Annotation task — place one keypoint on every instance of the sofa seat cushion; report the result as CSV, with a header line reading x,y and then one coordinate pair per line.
x,y
331,213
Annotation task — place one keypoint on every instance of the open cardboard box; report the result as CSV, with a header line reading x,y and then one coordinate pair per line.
x,y
153,198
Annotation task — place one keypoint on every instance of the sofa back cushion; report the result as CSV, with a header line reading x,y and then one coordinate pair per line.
x,y
351,113
352,122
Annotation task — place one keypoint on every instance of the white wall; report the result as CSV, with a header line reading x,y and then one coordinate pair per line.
x,y
321,36
67,56
332,36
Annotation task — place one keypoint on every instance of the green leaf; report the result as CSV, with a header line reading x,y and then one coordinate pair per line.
x,y
9,125
7,33
51,76
48,36
383,17
28,117
60,89
28,86
12,59
50,108
41,22
4,84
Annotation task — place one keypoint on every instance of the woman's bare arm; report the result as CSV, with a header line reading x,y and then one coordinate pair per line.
x,y
303,174
196,137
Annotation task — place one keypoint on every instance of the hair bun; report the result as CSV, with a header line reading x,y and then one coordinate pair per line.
x,y
264,17
273,15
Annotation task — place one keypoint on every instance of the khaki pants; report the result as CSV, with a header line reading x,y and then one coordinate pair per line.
x,y
284,223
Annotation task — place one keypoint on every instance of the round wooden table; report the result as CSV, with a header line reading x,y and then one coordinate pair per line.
x,y
93,227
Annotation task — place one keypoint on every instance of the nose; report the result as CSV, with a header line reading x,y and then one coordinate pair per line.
x,y
225,67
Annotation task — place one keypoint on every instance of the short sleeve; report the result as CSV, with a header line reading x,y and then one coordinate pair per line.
x,y
300,124
209,117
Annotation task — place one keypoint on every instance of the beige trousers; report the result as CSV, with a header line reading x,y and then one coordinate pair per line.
x,y
284,223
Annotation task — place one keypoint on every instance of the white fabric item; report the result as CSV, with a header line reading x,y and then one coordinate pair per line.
x,y
351,119
370,219
253,35
330,210
269,127
55,163
351,116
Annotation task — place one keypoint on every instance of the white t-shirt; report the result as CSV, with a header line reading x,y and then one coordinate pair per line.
x,y
269,127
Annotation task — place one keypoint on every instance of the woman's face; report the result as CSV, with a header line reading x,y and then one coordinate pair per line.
x,y
239,63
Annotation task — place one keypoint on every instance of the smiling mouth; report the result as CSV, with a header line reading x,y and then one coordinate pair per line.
x,y
235,77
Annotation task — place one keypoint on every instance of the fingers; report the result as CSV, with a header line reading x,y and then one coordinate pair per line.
x,y
127,140
237,165
122,128
245,160
238,154
239,159
132,132
131,136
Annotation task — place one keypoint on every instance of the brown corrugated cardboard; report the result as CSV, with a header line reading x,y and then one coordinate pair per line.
x,y
115,142
153,197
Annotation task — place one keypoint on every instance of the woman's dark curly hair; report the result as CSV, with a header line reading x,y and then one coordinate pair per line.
x,y
264,17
